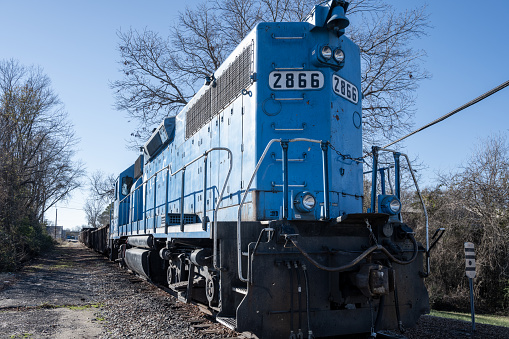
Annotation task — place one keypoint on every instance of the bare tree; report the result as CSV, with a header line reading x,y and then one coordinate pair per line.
x,y
161,74
102,186
149,87
473,205
102,192
37,168
391,69
241,16
93,209
104,217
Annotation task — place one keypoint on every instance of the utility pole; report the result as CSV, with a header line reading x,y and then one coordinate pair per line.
x,y
56,218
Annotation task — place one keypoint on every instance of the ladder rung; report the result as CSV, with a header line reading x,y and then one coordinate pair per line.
x,y
229,322
241,290
179,286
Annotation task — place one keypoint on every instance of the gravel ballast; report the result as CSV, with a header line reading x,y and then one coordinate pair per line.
x,y
73,292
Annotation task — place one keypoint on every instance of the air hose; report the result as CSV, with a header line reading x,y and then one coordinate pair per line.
x,y
300,335
310,333
396,305
398,314
380,313
360,257
292,334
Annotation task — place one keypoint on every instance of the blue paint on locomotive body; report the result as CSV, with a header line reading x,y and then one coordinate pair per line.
x,y
291,92
121,204
318,114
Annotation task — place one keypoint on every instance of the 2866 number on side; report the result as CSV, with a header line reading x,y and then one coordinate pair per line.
x,y
296,80
345,89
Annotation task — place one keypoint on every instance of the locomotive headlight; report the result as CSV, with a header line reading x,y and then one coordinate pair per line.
x,y
305,202
389,204
326,52
308,202
339,55
395,206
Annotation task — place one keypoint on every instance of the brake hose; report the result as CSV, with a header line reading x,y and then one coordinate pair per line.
x,y
379,315
310,333
360,257
299,289
292,334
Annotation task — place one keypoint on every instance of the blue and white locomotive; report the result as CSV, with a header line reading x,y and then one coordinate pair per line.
x,y
250,199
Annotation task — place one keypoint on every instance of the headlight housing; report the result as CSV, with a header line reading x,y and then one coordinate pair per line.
x,y
339,55
328,56
305,202
389,204
326,52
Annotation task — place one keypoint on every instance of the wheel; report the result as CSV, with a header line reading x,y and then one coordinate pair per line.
x,y
181,273
171,274
212,290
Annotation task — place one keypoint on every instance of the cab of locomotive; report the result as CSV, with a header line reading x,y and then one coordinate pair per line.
x,y
129,187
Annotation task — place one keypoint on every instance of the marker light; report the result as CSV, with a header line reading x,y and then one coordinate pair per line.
x,y
304,202
326,52
339,55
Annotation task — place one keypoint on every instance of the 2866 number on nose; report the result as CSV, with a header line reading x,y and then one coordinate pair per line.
x,y
296,80
345,89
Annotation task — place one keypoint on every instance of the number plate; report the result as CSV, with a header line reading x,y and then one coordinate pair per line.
x,y
345,89
296,80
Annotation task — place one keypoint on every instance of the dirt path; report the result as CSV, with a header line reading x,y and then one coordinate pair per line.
x,y
53,297
74,292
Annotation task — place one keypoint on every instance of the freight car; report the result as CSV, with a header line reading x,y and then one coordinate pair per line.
x,y
250,200
85,237
96,238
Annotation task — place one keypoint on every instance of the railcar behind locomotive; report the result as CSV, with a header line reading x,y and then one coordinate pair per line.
x,y
250,199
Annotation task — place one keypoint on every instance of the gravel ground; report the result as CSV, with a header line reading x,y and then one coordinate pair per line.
x,y
74,292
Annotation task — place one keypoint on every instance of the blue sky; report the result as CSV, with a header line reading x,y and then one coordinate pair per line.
x,y
467,52
75,43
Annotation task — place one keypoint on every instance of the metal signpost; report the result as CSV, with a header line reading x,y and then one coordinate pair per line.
x,y
470,273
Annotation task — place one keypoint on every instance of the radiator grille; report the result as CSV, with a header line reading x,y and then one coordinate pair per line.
x,y
228,86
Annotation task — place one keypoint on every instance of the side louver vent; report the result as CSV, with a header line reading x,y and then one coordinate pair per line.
x,y
228,86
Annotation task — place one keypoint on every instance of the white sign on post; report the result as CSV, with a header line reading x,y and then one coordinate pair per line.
x,y
470,260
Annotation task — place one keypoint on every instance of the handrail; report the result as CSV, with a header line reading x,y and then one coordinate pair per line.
x,y
420,198
219,203
239,244
183,168
285,192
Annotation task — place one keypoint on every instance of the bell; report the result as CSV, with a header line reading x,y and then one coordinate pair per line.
x,y
338,20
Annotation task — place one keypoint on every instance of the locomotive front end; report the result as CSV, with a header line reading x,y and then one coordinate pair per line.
x,y
317,265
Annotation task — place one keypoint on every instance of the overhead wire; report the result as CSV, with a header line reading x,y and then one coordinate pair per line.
x,y
459,109
70,208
